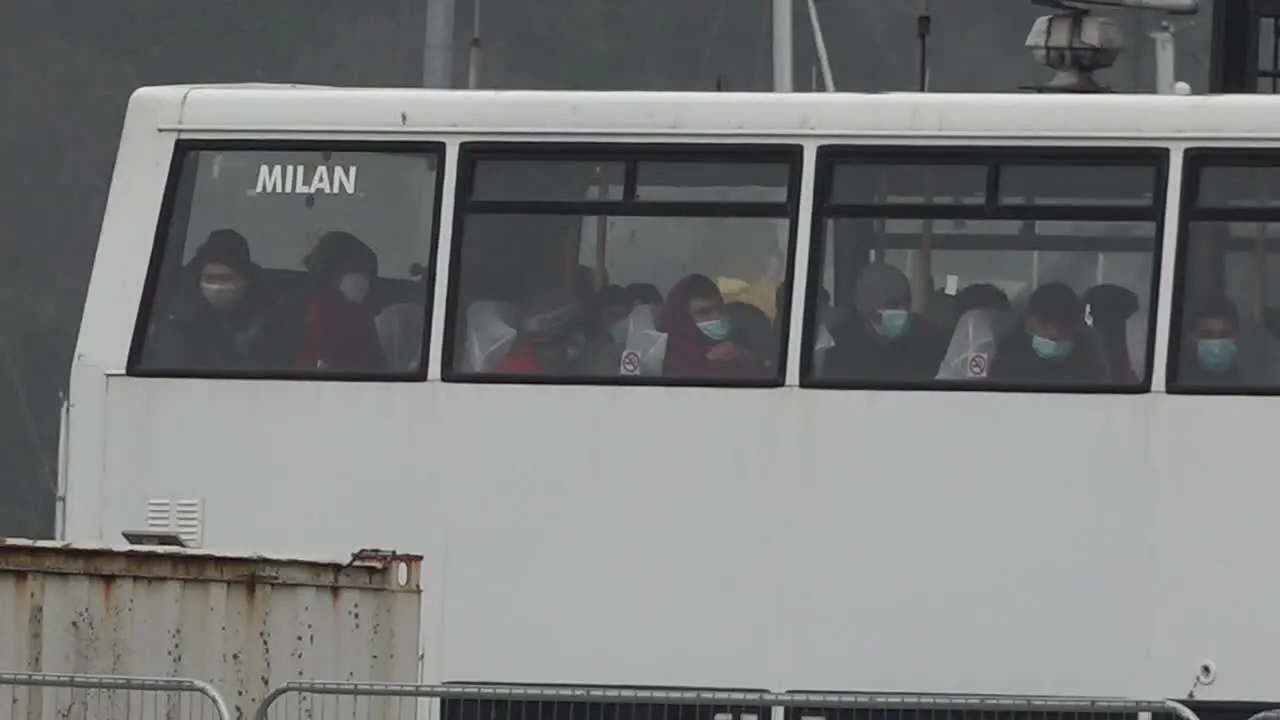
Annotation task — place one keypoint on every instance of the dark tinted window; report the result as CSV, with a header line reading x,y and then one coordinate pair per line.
x,y
1236,186
661,266
1016,268
292,262
1078,185
693,181
1228,318
549,179
908,183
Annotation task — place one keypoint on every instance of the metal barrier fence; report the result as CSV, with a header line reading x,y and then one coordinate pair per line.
x,y
46,696
370,701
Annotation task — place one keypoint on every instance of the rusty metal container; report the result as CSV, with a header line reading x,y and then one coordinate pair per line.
x,y
245,623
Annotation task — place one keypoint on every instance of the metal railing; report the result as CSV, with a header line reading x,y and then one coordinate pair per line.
x,y
375,701
48,696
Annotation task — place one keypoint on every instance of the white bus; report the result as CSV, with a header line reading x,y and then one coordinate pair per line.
x,y
324,318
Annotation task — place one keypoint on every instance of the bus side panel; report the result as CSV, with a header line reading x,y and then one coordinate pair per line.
x,y
111,306
695,536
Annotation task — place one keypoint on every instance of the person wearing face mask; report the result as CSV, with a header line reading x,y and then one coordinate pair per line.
x,y
220,326
338,333
884,340
606,331
699,342
1211,352
1047,346
546,329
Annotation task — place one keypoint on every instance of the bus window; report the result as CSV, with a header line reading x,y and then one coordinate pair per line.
x,y
1228,319
607,263
292,261
1015,267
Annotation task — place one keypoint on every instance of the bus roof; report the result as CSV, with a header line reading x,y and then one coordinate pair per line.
x,y
215,109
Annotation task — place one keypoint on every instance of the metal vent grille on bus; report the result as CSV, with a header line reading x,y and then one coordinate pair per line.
x,y
184,518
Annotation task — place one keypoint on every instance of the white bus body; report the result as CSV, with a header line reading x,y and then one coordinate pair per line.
x,y
778,537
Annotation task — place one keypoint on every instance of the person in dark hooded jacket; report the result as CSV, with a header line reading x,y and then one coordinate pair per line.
x,y
338,333
1047,347
884,340
1211,352
217,325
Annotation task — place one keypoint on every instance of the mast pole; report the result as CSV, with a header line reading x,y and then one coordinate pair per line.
x,y
437,44
783,35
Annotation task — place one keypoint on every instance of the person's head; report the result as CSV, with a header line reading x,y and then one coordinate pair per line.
x,y
612,306
644,294
340,260
981,296
550,316
882,297
750,328
1055,316
1212,326
225,268
695,302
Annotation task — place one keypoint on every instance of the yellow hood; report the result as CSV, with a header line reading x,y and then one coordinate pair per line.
x,y
762,294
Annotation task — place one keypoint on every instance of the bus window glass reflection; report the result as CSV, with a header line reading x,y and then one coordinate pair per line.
x,y
665,270
293,263
1026,276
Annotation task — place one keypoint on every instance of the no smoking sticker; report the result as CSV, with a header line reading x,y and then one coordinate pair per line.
x,y
630,362
978,365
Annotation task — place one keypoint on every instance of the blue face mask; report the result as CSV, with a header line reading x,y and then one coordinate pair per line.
x,y
716,329
1047,349
893,323
1217,355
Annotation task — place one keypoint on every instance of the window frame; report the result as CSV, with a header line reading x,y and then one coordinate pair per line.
x,y
631,154
1190,212
187,150
992,156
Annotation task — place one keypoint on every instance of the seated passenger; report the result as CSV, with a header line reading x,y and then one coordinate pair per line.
x,y
646,294
1111,306
1045,348
1211,351
884,341
338,330
750,329
546,330
220,328
980,296
698,343
606,332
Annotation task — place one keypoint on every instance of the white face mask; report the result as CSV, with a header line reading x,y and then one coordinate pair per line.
x,y
355,287
221,296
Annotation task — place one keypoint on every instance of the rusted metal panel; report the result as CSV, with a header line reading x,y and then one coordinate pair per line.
x,y
246,623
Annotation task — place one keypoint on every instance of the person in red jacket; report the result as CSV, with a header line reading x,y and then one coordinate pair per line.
x,y
698,335
338,332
